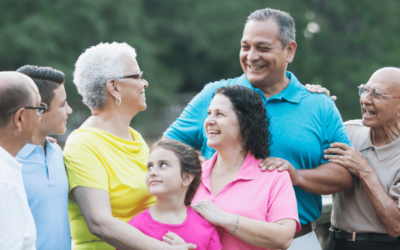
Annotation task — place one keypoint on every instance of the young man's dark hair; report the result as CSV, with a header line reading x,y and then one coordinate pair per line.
x,y
47,80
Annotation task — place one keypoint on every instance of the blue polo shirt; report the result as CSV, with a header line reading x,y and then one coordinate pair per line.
x,y
46,186
303,124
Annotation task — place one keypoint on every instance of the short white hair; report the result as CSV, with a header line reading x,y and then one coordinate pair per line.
x,y
95,66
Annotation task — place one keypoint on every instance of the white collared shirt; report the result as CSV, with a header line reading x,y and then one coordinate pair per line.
x,y
17,227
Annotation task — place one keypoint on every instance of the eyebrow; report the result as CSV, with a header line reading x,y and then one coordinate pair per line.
x,y
218,110
161,161
259,43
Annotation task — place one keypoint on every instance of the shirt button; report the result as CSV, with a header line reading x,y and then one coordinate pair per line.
x,y
373,149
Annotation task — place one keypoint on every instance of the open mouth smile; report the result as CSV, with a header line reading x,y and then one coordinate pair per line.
x,y
256,67
368,113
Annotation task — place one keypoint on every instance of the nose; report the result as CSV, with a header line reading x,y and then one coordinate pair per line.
x,y
366,98
209,121
153,172
253,54
145,83
69,109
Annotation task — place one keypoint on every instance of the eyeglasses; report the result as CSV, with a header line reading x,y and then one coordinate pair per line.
x,y
376,94
41,109
135,76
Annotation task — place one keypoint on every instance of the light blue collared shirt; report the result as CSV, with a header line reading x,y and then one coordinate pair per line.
x,y
302,125
46,186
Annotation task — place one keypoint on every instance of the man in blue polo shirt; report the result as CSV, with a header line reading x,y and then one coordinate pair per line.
x,y
303,124
43,170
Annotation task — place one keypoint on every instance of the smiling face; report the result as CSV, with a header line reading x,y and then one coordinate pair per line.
x,y
164,174
386,111
222,125
133,90
54,121
262,57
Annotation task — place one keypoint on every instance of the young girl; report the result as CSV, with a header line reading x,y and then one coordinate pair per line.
x,y
174,173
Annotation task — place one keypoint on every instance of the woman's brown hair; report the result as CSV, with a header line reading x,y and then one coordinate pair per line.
x,y
189,161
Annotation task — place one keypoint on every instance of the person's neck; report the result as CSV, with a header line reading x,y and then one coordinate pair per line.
x,y
169,210
10,144
40,139
112,121
230,158
275,86
385,135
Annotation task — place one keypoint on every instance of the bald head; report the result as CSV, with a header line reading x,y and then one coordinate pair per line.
x,y
16,90
388,78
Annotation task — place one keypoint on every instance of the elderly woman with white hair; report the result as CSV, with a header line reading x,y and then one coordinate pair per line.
x,y
106,159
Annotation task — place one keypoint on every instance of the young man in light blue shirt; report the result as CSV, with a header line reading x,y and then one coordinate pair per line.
x,y
302,124
43,169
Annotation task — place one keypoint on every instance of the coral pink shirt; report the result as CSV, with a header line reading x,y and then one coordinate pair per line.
x,y
194,229
265,196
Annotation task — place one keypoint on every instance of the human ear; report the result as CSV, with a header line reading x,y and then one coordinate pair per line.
x,y
114,89
187,179
290,51
18,118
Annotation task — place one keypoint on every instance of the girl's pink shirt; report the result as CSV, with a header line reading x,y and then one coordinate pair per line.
x,y
194,229
265,196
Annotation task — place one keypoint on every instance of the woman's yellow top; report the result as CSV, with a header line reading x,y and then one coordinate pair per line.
x,y
97,159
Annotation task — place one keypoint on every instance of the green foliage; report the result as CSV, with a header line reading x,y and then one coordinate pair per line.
x,y
182,45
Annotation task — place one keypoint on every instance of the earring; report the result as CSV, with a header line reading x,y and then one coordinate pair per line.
x,y
118,102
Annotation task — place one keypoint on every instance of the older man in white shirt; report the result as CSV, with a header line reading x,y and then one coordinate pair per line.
x,y
20,115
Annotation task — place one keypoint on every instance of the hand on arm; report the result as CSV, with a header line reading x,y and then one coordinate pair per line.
x,y
51,139
319,89
96,210
328,178
272,163
278,235
173,239
385,207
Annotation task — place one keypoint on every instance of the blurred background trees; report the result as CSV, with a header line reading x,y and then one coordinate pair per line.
x,y
182,45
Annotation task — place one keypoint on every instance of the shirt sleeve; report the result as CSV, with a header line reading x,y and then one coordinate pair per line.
x,y
188,127
394,191
215,243
13,219
84,165
334,130
282,200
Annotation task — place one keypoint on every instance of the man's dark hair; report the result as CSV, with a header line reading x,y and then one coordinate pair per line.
x,y
13,97
189,161
46,79
287,30
252,117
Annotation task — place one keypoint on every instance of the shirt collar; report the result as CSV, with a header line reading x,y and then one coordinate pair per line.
x,y
382,152
26,150
246,171
29,148
292,93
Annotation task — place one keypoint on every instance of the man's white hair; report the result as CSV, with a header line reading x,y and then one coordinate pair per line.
x,y
95,66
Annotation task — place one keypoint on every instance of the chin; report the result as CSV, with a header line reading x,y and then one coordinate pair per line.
x,y
367,123
61,131
255,79
154,190
212,144
143,108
